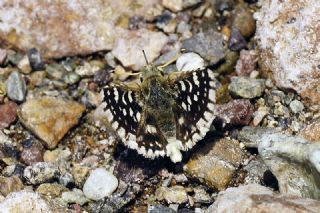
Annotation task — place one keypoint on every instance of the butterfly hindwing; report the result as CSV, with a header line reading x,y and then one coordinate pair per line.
x,y
195,103
123,112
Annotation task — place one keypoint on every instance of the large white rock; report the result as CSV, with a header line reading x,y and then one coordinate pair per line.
x,y
288,36
100,184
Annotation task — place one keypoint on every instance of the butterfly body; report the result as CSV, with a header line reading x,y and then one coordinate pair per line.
x,y
162,116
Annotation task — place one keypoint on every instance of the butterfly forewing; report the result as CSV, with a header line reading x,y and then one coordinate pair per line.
x,y
194,111
123,112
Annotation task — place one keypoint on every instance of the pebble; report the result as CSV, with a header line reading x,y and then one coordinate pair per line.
x,y
100,184
3,56
87,69
175,194
312,131
32,153
259,115
25,201
129,50
50,118
280,152
37,78
237,42
235,113
79,174
24,65
35,59
296,106
247,62
74,196
166,22
51,190
164,58
246,87
102,77
216,163
16,87
190,62
8,114
221,5
56,71
66,179
57,156
160,209
41,172
208,45
173,5
71,78
256,198
244,21
10,184
201,196
256,169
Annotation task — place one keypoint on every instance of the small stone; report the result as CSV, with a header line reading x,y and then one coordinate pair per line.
x,y
66,180
244,21
75,196
174,194
24,65
201,196
221,5
32,154
166,22
35,59
8,114
296,106
246,87
255,171
71,78
57,156
254,198
160,209
10,184
41,172
109,57
169,56
51,190
100,184
79,174
216,163
237,41
247,62
312,131
37,78
26,201
16,87
208,45
259,115
50,118
3,56
56,71
87,69
235,113
102,77
190,62
173,5
129,50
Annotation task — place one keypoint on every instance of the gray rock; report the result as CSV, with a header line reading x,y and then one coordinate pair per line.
x,y
255,198
201,196
209,45
16,87
35,59
100,184
296,106
160,209
246,87
41,172
294,161
74,196
255,171
175,194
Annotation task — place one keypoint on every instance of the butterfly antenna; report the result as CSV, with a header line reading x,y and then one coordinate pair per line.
x,y
145,57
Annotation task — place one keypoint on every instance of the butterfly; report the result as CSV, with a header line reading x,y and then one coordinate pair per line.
x,y
164,115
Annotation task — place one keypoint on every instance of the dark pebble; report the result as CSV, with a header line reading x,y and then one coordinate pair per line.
x,y
102,77
35,59
237,41
32,152
137,22
221,5
235,113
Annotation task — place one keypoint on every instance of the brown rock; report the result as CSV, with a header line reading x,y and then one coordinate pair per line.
x,y
32,154
312,131
235,113
244,21
216,163
63,28
8,114
255,198
10,184
174,194
52,190
50,118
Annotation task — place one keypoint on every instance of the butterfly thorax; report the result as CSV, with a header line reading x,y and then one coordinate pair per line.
x,y
159,101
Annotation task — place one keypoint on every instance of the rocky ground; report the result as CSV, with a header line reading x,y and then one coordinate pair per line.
x,y
262,155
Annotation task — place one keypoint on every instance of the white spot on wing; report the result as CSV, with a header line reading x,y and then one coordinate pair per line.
x,y
181,120
195,97
189,100
115,125
183,87
184,106
151,129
